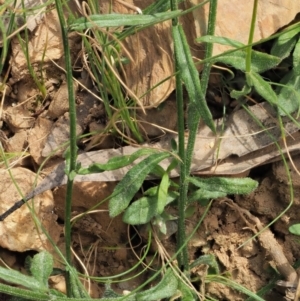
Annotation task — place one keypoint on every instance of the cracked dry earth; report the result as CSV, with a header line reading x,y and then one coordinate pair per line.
x,y
102,243
225,231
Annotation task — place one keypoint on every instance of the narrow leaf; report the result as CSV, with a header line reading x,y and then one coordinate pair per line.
x,y
163,193
131,183
202,195
263,88
234,285
42,266
23,293
296,58
158,6
166,288
260,62
220,40
16,277
116,20
226,185
116,162
190,76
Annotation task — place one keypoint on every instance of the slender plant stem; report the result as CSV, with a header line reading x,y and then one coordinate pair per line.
x,y
73,145
251,35
209,46
182,256
193,123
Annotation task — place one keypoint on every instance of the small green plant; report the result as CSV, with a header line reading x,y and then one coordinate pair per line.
x,y
173,279
40,267
295,229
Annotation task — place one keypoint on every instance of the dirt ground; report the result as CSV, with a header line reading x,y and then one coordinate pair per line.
x,y
103,244
35,126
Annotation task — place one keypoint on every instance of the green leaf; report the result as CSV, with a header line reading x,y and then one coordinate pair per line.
x,y
172,165
166,288
77,288
158,171
42,266
288,95
163,193
202,196
262,87
72,174
260,62
237,94
220,40
22,293
151,191
174,145
226,185
131,183
296,58
190,76
116,162
295,229
186,293
16,277
116,20
158,6
209,260
144,209
284,44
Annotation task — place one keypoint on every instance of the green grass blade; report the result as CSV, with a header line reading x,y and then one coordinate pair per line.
x,y
158,7
232,284
220,40
116,20
296,58
190,76
131,183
